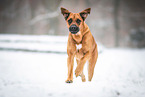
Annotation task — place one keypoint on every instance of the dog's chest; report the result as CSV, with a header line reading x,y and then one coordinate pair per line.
x,y
78,47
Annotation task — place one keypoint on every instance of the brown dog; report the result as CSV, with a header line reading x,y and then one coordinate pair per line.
x,y
81,44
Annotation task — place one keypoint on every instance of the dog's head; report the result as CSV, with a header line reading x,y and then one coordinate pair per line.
x,y
75,20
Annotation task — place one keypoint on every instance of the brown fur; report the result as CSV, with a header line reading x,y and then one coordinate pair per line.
x,y
88,52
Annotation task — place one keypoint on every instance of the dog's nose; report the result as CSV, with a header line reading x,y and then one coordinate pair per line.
x,y
73,29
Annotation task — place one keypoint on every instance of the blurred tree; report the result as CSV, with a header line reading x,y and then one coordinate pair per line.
x,y
16,16
116,21
44,16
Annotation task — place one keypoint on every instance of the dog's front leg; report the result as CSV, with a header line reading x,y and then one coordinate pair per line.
x,y
70,63
81,64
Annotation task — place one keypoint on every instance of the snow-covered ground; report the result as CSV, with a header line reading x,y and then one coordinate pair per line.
x,y
118,72
36,43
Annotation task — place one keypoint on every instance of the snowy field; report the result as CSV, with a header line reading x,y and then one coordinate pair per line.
x,y
36,66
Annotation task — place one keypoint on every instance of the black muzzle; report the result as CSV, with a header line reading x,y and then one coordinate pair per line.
x,y
73,29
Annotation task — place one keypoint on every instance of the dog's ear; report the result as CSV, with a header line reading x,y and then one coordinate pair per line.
x,y
85,13
65,13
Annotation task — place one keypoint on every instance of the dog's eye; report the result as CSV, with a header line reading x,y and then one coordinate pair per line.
x,y
78,21
70,21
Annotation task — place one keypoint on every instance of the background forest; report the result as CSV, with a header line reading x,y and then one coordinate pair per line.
x,y
112,22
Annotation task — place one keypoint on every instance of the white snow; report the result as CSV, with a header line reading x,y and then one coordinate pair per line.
x,y
36,42
118,73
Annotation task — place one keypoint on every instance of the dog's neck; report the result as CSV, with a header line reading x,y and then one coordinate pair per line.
x,y
79,36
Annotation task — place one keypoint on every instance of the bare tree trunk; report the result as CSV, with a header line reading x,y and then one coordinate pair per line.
x,y
116,21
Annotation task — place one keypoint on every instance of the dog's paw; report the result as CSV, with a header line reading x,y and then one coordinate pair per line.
x,y
84,79
77,72
69,81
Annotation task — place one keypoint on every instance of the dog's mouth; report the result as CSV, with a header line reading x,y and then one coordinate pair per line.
x,y
74,29
74,32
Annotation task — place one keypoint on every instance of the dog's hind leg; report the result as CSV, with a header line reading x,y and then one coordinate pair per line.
x,y
82,74
92,63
